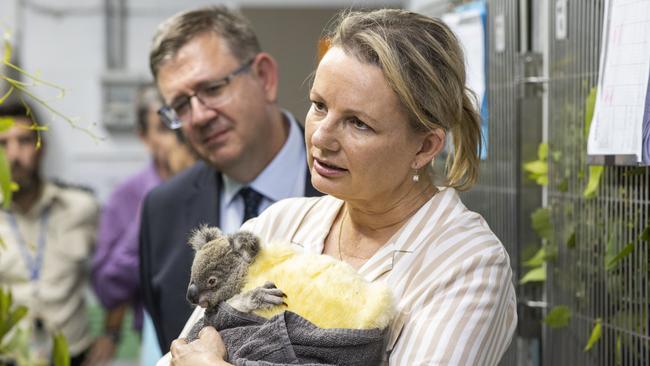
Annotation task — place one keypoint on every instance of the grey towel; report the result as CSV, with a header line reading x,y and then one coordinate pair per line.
x,y
290,339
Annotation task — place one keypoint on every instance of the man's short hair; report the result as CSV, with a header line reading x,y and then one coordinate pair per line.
x,y
178,30
13,107
17,108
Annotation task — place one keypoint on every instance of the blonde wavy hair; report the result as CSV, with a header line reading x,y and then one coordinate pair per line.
x,y
423,63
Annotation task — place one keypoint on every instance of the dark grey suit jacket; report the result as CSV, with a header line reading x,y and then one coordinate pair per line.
x,y
169,214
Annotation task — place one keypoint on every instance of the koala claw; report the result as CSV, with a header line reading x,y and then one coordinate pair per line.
x,y
263,297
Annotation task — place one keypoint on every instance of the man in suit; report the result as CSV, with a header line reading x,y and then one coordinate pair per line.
x,y
220,89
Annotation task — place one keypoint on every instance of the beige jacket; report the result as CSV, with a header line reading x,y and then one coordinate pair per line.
x,y
58,296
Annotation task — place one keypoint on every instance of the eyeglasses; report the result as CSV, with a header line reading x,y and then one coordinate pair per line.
x,y
213,94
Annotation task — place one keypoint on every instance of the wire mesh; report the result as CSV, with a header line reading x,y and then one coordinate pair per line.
x,y
588,233
614,298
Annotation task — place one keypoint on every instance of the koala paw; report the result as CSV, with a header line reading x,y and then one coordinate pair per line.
x,y
263,297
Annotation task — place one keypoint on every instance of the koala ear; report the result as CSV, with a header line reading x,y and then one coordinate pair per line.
x,y
246,244
202,235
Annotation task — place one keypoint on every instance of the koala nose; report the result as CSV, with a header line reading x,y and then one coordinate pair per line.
x,y
193,294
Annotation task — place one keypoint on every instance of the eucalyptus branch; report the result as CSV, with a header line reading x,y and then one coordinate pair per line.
x,y
44,103
35,78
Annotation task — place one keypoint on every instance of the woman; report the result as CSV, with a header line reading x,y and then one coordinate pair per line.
x,y
384,98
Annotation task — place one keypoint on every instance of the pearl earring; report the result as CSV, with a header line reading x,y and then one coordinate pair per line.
x,y
416,176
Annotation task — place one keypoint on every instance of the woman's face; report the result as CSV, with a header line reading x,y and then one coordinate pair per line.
x,y
359,143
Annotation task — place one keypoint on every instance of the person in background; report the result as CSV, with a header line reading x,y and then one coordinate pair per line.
x,y
384,99
220,89
49,235
115,276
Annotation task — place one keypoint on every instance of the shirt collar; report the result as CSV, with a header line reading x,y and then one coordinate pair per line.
x,y
277,180
49,194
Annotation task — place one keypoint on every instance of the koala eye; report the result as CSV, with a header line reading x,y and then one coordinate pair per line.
x,y
212,281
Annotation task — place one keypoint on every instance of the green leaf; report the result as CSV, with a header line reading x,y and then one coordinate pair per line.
x,y
537,260
14,317
556,155
18,346
595,172
535,275
558,317
60,352
542,151
542,180
541,221
611,264
5,180
571,242
536,167
6,123
551,252
590,104
645,235
5,302
596,332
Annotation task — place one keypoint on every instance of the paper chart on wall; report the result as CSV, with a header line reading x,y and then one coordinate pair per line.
x,y
620,124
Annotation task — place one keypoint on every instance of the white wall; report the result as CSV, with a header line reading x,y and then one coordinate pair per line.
x,y
64,40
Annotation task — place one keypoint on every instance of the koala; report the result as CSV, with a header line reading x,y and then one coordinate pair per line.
x,y
218,273
268,280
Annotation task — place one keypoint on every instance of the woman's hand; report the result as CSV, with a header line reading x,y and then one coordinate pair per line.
x,y
208,350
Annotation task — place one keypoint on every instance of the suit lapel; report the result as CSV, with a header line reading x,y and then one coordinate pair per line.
x,y
202,203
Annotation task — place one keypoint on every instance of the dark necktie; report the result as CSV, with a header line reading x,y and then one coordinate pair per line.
x,y
252,200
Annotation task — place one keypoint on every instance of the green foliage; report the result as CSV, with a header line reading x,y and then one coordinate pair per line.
x,y
25,89
538,169
9,315
5,180
595,172
541,221
590,105
537,274
7,52
16,348
6,122
596,333
612,261
538,259
571,241
60,353
645,236
612,258
558,317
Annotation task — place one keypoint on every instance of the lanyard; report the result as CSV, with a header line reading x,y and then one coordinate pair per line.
x,y
33,263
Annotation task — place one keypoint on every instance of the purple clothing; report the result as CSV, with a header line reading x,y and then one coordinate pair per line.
x,y
115,266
